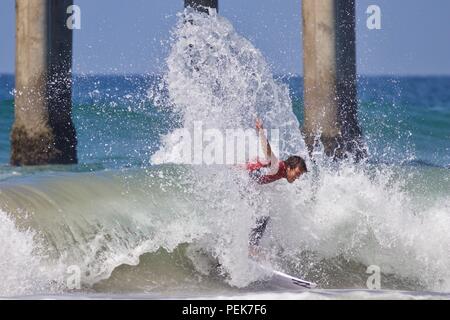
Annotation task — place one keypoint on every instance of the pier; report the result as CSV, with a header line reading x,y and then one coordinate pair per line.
x,y
43,132
330,95
202,5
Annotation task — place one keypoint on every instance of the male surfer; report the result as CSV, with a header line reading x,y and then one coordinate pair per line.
x,y
270,171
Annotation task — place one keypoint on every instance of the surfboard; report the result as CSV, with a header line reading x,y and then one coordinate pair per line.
x,y
285,281
274,278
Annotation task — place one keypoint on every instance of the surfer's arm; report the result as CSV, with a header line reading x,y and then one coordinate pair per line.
x,y
267,149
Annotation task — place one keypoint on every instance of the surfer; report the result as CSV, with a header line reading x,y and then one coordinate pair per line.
x,y
268,171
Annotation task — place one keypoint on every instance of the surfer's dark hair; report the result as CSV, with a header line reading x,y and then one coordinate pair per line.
x,y
296,162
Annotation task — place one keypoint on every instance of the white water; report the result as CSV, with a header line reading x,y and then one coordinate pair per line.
x,y
22,266
219,78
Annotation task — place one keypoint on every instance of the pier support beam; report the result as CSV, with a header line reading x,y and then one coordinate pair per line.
x,y
201,5
43,132
330,96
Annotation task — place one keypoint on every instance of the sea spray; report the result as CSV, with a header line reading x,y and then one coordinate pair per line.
x,y
219,79
346,210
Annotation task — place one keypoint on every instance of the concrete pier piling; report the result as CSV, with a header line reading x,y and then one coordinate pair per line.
x,y
202,5
43,132
330,94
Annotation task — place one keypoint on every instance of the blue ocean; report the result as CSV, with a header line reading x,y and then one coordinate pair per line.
x,y
130,220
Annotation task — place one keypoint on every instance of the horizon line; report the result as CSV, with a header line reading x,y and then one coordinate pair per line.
x,y
412,75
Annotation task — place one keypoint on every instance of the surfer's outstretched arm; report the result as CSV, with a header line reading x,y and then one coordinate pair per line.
x,y
266,147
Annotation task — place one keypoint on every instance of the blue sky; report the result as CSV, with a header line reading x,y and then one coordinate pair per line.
x,y
119,36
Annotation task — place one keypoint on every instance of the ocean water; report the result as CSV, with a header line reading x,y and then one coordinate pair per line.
x,y
131,220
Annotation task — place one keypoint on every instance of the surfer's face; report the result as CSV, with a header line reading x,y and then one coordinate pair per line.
x,y
293,174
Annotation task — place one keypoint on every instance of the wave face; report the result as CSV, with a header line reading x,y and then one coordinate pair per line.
x,y
175,228
165,230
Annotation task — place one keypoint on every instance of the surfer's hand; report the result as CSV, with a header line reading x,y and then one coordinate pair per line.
x,y
259,124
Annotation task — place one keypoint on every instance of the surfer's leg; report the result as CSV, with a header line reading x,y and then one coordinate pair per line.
x,y
257,232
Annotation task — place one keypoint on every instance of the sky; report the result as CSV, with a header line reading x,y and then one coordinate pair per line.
x,y
132,36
